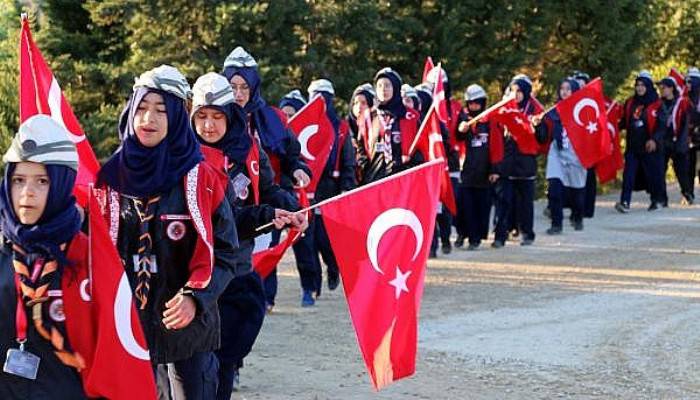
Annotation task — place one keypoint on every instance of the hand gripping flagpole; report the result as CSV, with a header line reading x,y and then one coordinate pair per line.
x,y
361,188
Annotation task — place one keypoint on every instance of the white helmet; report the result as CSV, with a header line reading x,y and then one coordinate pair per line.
x,y
474,92
167,79
211,89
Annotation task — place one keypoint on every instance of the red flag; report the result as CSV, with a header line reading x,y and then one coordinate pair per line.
x,y
316,136
680,81
253,164
608,167
121,367
380,234
586,123
439,96
430,143
518,125
264,261
427,67
39,93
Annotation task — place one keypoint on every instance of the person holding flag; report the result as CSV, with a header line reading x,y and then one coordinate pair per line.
x,y
693,82
643,140
392,131
410,97
44,258
265,123
481,168
338,177
359,122
174,231
565,174
292,102
591,191
221,130
515,189
673,126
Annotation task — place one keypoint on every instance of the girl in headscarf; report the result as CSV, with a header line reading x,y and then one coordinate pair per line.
x,y
515,189
481,169
392,132
359,120
565,174
174,231
693,82
221,131
292,102
642,149
268,125
338,176
44,258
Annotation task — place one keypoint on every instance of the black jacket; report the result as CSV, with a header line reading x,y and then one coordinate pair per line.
x,y
477,165
173,257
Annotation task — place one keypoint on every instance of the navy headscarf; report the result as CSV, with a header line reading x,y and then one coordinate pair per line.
x,y
525,88
236,142
554,114
650,96
694,89
426,100
296,104
59,223
395,104
137,170
270,128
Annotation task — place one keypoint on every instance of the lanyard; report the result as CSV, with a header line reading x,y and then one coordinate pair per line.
x,y
21,315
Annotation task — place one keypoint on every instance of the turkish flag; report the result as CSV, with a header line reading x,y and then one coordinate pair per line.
x,y
265,261
380,234
608,167
121,366
315,134
427,67
439,96
586,122
39,93
253,164
680,80
518,125
430,143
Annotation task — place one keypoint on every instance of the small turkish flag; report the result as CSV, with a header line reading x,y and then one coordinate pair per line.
x,y
427,67
586,122
430,143
518,125
39,93
315,134
607,168
439,96
380,234
680,81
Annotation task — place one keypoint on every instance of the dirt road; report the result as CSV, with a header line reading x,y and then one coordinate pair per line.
x,y
612,312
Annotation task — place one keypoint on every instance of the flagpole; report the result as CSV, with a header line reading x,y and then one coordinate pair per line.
x,y
90,238
490,109
420,129
359,189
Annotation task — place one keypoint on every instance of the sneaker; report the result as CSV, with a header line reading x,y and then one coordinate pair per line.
x,y
307,299
578,225
653,206
497,244
555,230
623,208
446,248
333,281
527,242
269,307
473,246
459,242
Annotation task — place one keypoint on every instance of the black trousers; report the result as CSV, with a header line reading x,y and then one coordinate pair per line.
x,y
322,246
590,194
680,168
477,202
515,194
558,195
195,378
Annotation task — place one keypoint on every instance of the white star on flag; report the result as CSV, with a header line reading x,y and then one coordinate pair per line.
x,y
592,127
399,283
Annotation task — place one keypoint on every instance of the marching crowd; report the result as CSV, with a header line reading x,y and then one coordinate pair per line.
x,y
201,167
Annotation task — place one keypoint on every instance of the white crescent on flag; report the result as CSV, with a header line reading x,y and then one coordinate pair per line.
x,y
585,102
387,220
304,137
122,320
